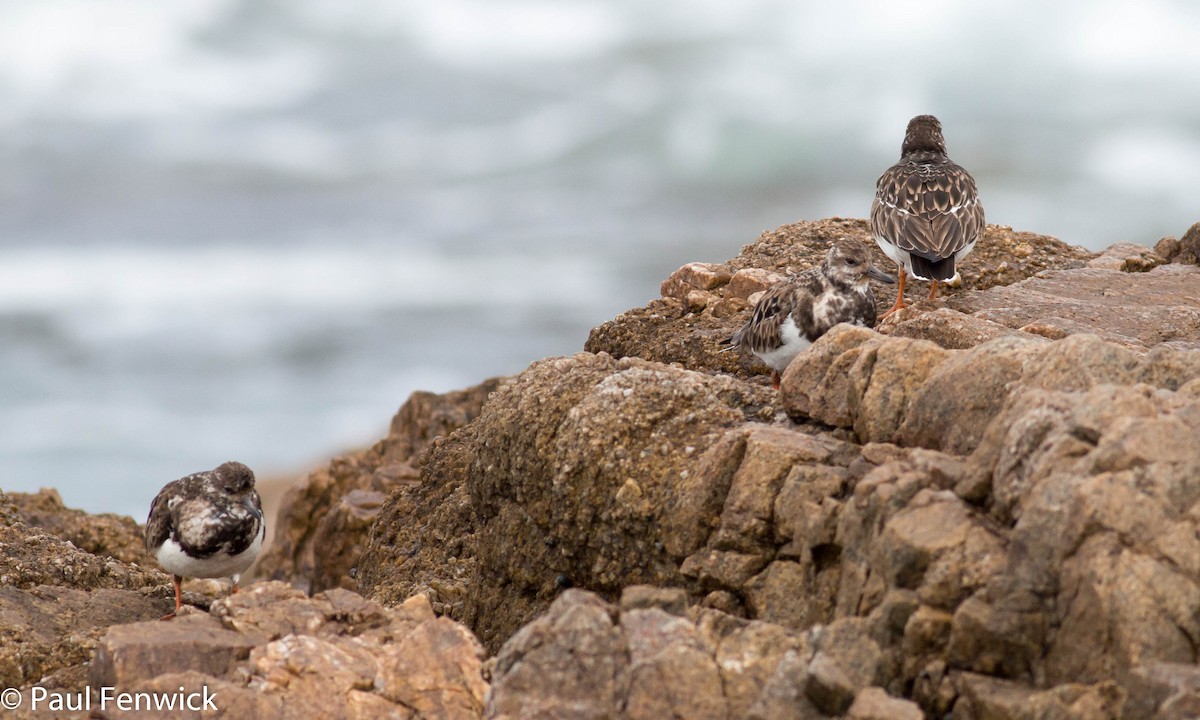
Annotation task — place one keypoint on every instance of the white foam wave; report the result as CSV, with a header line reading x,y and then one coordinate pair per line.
x,y
107,60
166,280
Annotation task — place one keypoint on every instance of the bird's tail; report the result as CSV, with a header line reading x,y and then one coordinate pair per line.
x,y
939,269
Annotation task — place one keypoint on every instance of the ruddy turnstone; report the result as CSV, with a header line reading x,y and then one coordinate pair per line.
x,y
926,215
794,312
206,525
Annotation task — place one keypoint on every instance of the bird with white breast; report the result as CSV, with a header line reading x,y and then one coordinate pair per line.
x,y
206,525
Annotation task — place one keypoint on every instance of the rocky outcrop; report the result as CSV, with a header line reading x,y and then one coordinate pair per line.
x,y
987,508
322,526
1139,310
585,658
105,535
1185,250
271,651
582,471
880,507
702,304
56,599
914,393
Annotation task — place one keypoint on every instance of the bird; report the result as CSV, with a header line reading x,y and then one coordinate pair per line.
x,y
797,310
206,525
926,215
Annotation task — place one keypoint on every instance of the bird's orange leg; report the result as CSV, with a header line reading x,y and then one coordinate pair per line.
x,y
775,379
933,289
175,580
899,296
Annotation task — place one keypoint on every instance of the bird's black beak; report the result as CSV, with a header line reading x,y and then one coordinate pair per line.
x,y
881,276
248,503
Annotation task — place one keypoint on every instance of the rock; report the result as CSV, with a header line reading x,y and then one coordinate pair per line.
x,y
322,526
818,384
873,703
1139,310
997,638
953,406
570,662
754,658
694,276
192,641
886,383
747,282
670,330
986,508
991,698
673,601
1153,685
845,661
772,593
937,547
855,377
914,393
950,329
104,535
672,672
340,656
579,471
452,687
270,611
1127,257
232,699
784,696
1094,484
771,454
51,632
29,557
1185,251
1180,707
779,506
56,600
584,658
9,515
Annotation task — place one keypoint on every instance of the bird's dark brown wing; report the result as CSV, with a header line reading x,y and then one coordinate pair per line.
x,y
761,333
159,523
930,208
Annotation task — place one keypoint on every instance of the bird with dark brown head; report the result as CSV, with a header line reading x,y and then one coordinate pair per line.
x,y
797,310
926,215
206,525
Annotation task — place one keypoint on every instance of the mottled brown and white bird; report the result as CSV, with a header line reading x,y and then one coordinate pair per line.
x,y
926,215
797,310
206,525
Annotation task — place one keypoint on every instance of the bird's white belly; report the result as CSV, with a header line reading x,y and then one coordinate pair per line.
x,y
897,255
175,561
791,343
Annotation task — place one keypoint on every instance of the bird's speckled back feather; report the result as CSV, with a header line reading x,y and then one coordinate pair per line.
x,y
816,299
926,205
207,512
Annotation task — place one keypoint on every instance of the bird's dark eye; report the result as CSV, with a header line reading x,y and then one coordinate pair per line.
x,y
851,261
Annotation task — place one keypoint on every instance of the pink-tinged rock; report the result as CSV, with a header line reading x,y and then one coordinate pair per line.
x,y
192,641
695,276
873,703
746,282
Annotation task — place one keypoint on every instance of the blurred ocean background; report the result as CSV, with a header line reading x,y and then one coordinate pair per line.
x,y
248,229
